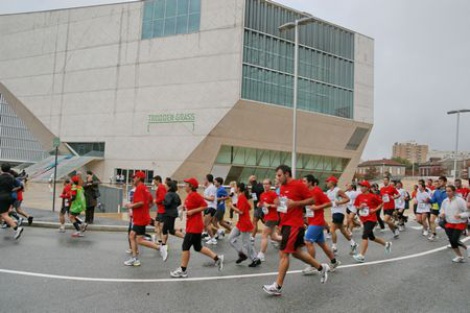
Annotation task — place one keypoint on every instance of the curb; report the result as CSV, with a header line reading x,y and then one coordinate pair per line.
x,y
93,227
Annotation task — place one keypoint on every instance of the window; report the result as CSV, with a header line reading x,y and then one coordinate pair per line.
x,y
162,18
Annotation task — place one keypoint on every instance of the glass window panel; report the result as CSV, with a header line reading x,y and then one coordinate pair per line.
x,y
147,30
171,8
148,10
194,6
158,28
193,24
182,24
159,9
170,26
183,7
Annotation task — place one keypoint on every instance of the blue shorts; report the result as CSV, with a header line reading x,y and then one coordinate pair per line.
x,y
315,234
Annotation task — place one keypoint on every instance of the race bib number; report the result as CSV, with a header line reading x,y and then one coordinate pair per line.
x,y
265,210
66,202
309,212
364,211
282,208
422,205
254,196
386,198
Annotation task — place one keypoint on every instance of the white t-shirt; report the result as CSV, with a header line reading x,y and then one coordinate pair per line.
x,y
400,201
421,197
352,194
332,194
211,190
234,196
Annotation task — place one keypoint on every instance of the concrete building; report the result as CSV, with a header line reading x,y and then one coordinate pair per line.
x,y
182,88
381,168
411,151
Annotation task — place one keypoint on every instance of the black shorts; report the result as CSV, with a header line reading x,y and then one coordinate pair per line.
x,y
338,218
434,212
139,230
292,238
159,218
219,215
258,213
168,225
389,212
5,202
368,232
17,204
271,224
64,210
192,240
210,211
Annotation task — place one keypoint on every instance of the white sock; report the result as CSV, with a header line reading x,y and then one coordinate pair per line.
x,y
352,242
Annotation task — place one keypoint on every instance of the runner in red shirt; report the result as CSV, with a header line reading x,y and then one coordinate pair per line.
x,y
461,191
194,205
430,184
294,196
66,195
271,218
367,204
243,229
160,194
140,207
389,194
316,220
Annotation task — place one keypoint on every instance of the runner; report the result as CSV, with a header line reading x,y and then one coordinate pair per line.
x,y
389,194
159,197
194,205
339,202
258,215
316,221
461,191
77,206
375,191
222,196
66,196
243,229
423,209
351,192
438,195
141,218
400,205
455,213
294,196
271,218
413,198
233,197
7,183
367,204
171,202
210,195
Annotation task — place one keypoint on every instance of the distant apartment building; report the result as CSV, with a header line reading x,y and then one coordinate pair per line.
x,y
411,151
381,168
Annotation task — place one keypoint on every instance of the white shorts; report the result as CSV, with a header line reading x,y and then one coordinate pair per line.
x,y
421,210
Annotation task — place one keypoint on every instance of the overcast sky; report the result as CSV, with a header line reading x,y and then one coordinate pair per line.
x,y
422,63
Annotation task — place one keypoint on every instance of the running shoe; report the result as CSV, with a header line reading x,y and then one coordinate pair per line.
x,y
220,262
20,221
221,232
396,234
5,225
129,251
353,248
432,238
78,234
275,244
261,257
164,252
382,230
211,241
458,259
132,262
30,220
328,236
179,273
359,258
62,229
241,257
388,247
334,249
309,270
324,273
255,263
252,239
334,266
18,233
273,289
83,227
425,233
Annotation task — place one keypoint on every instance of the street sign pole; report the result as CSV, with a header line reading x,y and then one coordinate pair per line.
x,y
56,144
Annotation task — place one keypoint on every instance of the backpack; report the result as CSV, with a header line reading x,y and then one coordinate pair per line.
x,y
79,204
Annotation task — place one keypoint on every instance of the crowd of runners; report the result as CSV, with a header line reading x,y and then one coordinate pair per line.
x,y
291,211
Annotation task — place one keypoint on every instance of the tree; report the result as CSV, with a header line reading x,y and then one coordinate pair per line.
x,y
371,173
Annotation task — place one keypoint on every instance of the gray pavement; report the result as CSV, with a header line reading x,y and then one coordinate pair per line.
x,y
429,283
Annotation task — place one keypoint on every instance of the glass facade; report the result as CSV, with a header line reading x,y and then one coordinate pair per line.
x,y
88,148
326,61
163,18
17,144
262,163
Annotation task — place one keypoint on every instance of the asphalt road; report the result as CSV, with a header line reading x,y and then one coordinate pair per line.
x,y
87,275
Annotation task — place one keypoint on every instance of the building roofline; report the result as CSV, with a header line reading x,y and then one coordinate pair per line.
x,y
71,8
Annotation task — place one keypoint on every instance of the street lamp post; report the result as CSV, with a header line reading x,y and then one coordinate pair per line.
x,y
295,25
457,137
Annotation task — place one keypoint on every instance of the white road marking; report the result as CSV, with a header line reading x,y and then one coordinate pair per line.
x,y
167,280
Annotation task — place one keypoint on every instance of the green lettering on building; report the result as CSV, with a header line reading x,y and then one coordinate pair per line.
x,y
165,118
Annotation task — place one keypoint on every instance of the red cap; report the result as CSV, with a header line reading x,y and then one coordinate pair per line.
x,y
139,174
332,179
76,179
192,181
364,183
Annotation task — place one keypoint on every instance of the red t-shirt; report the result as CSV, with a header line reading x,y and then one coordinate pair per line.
x,y
159,197
387,194
244,220
194,223
463,192
431,187
371,201
297,191
141,215
320,198
19,195
269,197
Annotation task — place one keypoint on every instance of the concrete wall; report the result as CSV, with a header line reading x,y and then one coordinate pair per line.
x,y
363,79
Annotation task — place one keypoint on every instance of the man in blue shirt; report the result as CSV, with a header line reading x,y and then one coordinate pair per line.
x,y
222,196
436,200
